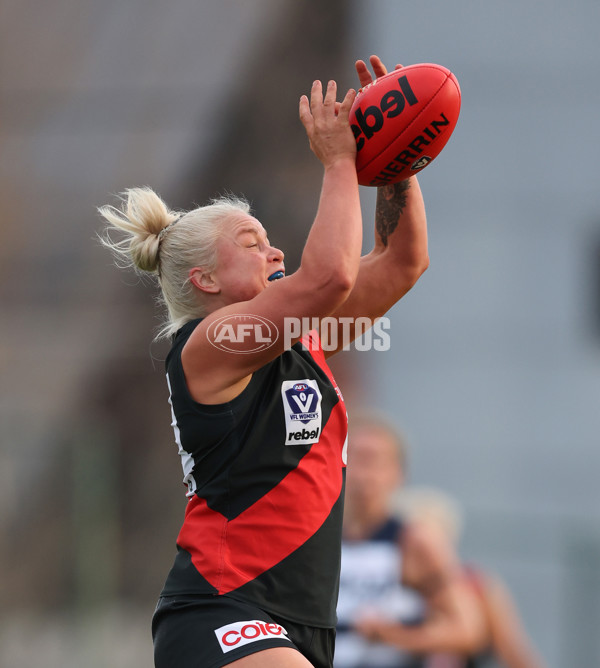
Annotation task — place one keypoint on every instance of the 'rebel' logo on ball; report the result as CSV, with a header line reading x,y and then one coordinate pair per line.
x,y
392,104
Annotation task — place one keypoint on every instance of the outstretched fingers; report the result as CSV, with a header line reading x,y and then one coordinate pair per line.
x,y
307,109
316,96
364,76
324,107
330,94
305,114
326,122
318,105
379,69
343,111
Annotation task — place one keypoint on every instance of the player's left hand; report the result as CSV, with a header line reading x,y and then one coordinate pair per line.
x,y
379,69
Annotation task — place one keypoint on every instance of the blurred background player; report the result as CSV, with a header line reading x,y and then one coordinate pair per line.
x,y
470,619
370,572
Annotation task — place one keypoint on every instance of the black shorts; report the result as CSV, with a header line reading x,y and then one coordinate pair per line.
x,y
212,631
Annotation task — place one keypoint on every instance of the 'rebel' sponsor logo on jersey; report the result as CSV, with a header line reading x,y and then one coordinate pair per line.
x,y
238,634
302,411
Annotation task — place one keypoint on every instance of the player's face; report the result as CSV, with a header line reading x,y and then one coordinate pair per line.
x,y
245,259
427,553
373,467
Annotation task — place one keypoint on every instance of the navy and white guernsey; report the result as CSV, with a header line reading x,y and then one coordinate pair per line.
x,y
370,585
265,474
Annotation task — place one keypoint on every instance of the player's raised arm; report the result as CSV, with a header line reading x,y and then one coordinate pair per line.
x,y
400,253
217,262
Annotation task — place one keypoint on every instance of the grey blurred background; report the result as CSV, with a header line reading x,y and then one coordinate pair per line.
x,y
494,371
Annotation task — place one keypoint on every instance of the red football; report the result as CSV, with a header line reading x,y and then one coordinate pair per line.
x,y
402,121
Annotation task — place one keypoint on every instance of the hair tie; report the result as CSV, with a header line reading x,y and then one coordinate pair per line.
x,y
162,233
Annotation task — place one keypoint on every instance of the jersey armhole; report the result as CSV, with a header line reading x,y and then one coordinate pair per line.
x,y
175,372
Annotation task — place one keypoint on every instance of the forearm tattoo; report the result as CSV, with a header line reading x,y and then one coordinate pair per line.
x,y
391,202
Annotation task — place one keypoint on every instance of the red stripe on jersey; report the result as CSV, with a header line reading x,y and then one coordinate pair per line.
x,y
229,554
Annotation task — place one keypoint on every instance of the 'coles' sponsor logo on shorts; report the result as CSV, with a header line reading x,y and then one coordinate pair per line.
x,y
241,633
302,409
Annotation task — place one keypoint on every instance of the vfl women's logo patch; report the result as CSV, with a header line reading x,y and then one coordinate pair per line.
x,y
302,410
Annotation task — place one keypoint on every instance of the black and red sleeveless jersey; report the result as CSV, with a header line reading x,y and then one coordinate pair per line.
x,y
265,474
